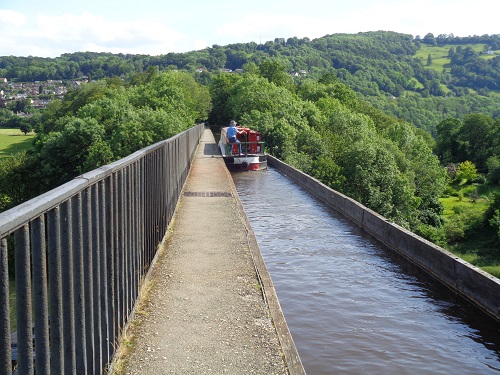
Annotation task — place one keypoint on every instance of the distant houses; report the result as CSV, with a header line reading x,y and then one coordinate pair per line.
x,y
38,92
300,73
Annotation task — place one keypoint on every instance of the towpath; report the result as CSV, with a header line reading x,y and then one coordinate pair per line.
x,y
209,305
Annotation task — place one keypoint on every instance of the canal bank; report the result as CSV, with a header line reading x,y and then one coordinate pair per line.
x,y
209,304
353,305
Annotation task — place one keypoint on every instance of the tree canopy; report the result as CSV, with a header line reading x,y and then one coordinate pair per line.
x,y
101,122
383,67
324,129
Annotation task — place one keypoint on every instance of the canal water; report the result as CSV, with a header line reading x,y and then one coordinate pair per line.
x,y
351,304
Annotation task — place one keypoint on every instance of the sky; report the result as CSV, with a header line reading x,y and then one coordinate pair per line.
x,y
49,28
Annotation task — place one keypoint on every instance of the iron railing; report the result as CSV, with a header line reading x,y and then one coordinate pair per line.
x,y
247,148
80,253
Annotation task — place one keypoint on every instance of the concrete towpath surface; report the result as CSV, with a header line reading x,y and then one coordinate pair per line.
x,y
210,307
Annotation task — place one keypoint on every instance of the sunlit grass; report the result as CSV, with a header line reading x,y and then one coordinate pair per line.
x,y
495,93
453,204
468,257
478,261
13,141
492,270
439,54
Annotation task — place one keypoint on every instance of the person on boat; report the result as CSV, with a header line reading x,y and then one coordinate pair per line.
x,y
232,134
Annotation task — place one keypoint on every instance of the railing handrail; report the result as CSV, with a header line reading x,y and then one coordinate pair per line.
x,y
13,218
229,147
80,252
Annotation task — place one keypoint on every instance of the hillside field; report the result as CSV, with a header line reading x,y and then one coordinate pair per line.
x,y
439,54
13,141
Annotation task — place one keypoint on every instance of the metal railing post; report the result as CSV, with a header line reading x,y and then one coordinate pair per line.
x,y
23,299
104,304
89,275
5,350
68,288
110,273
55,287
79,286
40,296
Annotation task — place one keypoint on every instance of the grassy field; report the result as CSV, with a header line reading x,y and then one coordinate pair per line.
x,y
455,204
13,141
441,61
439,54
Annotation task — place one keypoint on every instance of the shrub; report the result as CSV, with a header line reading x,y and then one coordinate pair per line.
x,y
465,222
473,221
451,169
449,191
470,191
492,216
436,235
495,222
454,230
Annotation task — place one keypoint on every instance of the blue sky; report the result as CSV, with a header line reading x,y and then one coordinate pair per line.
x,y
49,28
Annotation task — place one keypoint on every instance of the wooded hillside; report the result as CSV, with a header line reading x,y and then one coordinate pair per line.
x,y
421,80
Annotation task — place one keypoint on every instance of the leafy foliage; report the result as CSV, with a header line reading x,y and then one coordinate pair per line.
x,y
13,187
101,122
360,112
476,139
323,128
466,171
386,68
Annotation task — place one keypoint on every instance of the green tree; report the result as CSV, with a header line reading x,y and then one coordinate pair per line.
x,y
493,164
21,106
466,171
17,174
328,172
63,154
26,127
430,39
476,138
220,92
275,73
447,142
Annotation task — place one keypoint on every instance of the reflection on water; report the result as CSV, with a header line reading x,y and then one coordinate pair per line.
x,y
352,306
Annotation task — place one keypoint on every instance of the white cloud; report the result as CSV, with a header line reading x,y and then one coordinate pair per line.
x,y
10,18
101,34
167,27
50,36
199,44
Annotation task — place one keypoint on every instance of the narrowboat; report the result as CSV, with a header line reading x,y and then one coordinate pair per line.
x,y
245,155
